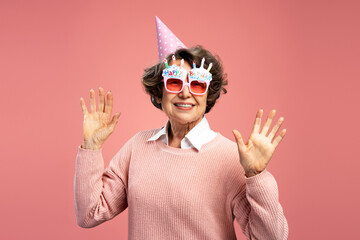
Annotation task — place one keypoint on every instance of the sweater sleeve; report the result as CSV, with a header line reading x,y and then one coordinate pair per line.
x,y
257,208
100,195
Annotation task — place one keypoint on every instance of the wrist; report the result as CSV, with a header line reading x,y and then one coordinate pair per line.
x,y
251,173
90,146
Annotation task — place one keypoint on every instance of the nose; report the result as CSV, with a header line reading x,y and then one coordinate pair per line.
x,y
185,93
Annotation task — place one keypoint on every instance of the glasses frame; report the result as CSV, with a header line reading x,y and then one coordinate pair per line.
x,y
186,84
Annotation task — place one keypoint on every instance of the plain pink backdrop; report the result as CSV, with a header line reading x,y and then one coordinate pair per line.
x,y
299,57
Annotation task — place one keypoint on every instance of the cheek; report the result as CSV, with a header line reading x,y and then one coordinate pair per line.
x,y
204,104
164,96
166,99
202,101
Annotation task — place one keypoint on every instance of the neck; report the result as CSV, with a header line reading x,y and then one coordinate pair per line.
x,y
177,132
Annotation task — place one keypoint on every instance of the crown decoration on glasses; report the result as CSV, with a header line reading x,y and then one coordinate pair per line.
x,y
201,73
174,71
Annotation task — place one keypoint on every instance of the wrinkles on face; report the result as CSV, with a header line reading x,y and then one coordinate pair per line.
x,y
182,119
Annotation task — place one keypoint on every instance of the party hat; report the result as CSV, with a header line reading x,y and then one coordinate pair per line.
x,y
167,41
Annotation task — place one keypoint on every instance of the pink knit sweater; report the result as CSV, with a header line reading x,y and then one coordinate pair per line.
x,y
175,193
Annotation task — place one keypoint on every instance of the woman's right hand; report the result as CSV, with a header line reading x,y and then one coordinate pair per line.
x,y
98,124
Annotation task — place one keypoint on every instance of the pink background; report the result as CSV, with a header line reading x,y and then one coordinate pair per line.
x,y
299,57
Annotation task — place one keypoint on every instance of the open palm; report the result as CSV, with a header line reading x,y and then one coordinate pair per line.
x,y
258,150
98,125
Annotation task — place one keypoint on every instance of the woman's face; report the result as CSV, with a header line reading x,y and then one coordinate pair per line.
x,y
183,107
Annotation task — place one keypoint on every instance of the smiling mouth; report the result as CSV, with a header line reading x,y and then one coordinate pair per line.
x,y
184,105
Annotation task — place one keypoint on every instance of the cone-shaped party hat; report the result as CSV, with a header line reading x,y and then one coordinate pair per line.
x,y
166,40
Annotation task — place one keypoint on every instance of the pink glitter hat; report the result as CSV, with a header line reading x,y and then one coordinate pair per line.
x,y
166,39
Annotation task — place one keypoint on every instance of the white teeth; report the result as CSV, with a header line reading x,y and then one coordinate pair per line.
x,y
183,105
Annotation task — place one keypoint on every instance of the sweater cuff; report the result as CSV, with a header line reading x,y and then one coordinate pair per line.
x,y
89,155
253,178
89,159
89,150
261,183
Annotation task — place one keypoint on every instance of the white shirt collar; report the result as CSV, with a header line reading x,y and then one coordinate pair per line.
x,y
197,137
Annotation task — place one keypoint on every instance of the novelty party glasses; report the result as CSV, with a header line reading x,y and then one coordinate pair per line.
x,y
174,85
175,78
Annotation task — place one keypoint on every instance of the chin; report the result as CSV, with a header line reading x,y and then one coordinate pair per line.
x,y
183,119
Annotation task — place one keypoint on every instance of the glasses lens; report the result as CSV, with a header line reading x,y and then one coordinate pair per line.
x,y
173,84
198,87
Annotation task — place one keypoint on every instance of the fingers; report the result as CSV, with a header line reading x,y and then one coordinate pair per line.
x,y
275,128
257,122
101,100
279,138
239,140
268,122
102,106
83,106
92,101
109,103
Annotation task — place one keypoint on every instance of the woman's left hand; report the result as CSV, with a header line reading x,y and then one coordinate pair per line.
x,y
258,150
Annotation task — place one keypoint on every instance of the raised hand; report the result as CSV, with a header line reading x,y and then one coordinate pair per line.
x,y
258,150
98,124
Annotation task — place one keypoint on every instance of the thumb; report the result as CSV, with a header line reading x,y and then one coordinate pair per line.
x,y
115,120
239,140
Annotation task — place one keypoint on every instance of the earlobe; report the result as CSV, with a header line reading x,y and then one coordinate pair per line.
x,y
158,100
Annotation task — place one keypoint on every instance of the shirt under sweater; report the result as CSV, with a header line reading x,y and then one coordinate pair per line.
x,y
195,138
174,193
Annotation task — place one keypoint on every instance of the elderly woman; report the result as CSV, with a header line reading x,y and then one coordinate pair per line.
x,y
183,181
